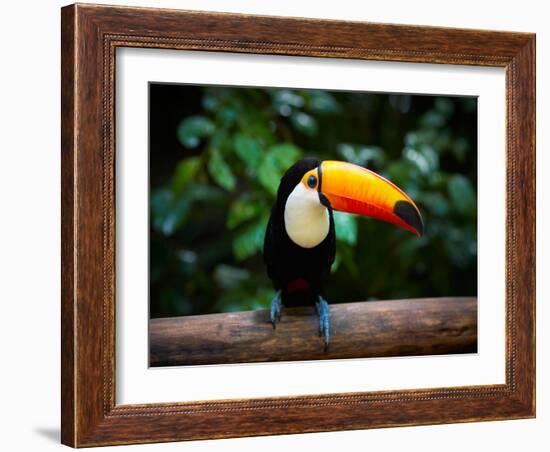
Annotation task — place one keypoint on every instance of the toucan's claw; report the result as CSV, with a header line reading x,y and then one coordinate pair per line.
x,y
323,312
276,305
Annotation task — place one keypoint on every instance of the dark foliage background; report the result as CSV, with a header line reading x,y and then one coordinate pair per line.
x,y
216,157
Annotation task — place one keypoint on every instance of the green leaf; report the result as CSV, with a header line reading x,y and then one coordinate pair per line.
x,y
269,173
424,157
248,150
250,240
460,247
462,194
286,154
304,123
161,203
192,129
323,102
274,164
210,102
229,277
345,258
337,262
220,140
176,217
435,202
207,193
347,151
241,299
362,155
287,97
241,211
373,154
346,227
168,212
184,173
229,114
220,170
433,119
402,173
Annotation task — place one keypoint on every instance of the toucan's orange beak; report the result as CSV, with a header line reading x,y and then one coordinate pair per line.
x,y
353,189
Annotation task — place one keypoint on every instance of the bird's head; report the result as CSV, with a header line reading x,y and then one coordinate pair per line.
x,y
311,188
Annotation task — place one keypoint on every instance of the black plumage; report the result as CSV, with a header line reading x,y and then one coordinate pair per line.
x,y
298,273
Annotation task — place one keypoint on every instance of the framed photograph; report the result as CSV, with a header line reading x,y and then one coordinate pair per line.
x,y
281,225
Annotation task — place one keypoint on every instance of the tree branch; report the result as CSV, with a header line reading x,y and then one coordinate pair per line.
x,y
428,326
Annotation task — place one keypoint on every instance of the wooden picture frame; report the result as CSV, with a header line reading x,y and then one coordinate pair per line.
x,y
90,36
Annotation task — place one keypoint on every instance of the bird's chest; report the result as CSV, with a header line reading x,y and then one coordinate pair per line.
x,y
306,220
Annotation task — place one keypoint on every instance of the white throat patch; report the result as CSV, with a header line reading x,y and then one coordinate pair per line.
x,y
306,219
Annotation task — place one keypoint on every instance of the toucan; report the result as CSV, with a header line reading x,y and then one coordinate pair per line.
x,y
300,239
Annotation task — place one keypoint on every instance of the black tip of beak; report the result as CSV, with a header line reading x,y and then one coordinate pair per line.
x,y
406,211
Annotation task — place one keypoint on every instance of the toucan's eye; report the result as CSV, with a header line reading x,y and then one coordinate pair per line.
x,y
312,181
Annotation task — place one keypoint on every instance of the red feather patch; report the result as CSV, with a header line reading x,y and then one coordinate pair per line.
x,y
297,285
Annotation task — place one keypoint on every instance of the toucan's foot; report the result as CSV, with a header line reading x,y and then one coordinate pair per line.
x,y
276,307
323,312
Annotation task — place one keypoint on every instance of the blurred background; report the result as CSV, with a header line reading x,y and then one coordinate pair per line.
x,y
216,157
